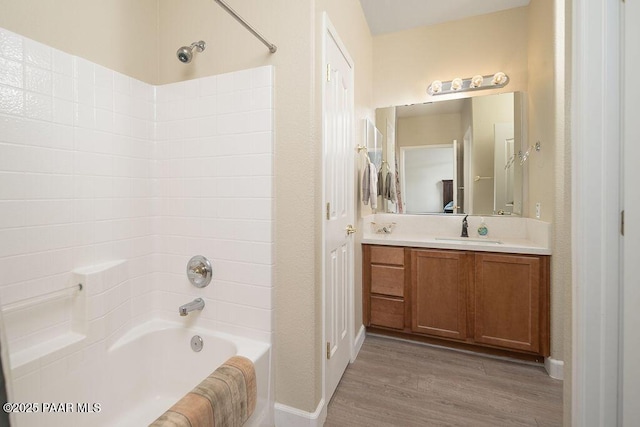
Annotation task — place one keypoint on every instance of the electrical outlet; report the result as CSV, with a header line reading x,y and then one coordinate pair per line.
x,y
538,210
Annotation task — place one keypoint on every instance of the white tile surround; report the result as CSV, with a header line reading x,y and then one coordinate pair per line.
x,y
97,167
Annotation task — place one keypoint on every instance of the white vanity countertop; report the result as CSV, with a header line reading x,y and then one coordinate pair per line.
x,y
515,235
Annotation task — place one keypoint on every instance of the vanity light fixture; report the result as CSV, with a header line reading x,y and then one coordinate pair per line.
x,y
477,82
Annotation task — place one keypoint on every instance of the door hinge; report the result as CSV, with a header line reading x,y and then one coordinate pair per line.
x,y
622,223
328,72
328,350
328,210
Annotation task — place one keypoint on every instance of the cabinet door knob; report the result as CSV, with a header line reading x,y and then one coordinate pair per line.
x,y
350,229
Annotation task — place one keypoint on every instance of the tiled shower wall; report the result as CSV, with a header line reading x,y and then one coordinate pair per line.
x,y
213,163
96,167
75,180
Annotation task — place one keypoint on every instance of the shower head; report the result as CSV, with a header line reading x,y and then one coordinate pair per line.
x,y
185,53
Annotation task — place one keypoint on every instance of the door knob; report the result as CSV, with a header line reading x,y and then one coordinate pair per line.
x,y
350,229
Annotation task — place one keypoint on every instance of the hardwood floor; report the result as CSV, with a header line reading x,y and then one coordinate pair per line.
x,y
397,383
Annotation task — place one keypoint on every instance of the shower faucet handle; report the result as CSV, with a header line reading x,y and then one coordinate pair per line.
x,y
199,271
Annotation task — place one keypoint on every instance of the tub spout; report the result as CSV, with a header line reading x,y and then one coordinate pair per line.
x,y
196,304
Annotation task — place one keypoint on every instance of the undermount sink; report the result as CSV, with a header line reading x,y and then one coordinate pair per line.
x,y
468,239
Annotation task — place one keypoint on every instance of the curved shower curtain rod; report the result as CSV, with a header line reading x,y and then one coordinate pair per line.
x,y
272,47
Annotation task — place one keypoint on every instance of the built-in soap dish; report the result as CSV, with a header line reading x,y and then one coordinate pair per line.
x,y
382,227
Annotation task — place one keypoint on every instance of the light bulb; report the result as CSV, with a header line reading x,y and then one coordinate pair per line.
x,y
499,78
476,81
436,86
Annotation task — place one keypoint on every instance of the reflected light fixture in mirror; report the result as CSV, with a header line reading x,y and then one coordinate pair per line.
x,y
476,82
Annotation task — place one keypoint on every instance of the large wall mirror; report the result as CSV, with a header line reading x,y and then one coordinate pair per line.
x,y
455,156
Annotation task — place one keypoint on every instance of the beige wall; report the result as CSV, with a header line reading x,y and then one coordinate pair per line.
x,y
230,47
119,34
565,23
406,62
429,130
542,107
551,167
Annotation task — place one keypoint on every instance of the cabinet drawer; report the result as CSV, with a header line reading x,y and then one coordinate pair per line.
x,y
387,312
387,280
387,255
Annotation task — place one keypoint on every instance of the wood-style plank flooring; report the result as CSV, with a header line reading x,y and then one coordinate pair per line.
x,y
398,383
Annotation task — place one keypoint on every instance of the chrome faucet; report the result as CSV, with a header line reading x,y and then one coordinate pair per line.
x,y
196,304
465,225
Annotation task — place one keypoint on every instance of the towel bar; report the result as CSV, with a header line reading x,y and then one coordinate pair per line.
x,y
39,299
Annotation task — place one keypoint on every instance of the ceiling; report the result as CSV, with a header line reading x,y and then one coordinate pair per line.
x,y
387,16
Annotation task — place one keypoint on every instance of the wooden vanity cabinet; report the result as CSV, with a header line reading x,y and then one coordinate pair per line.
x,y
481,300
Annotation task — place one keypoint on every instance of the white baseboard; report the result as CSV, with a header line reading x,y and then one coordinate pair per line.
x,y
357,344
555,368
287,416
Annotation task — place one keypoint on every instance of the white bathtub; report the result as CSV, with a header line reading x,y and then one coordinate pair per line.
x,y
153,366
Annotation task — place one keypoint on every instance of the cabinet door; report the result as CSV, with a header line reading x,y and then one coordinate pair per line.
x,y
438,293
507,301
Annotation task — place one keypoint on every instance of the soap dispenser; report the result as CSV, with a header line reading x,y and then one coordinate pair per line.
x,y
482,228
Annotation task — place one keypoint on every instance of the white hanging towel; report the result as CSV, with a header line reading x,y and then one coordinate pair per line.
x,y
366,183
370,185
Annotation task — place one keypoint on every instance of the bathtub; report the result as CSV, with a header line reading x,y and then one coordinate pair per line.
x,y
152,366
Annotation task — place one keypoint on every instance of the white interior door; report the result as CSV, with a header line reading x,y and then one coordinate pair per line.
x,y
423,169
338,182
468,172
502,133
630,377
455,176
